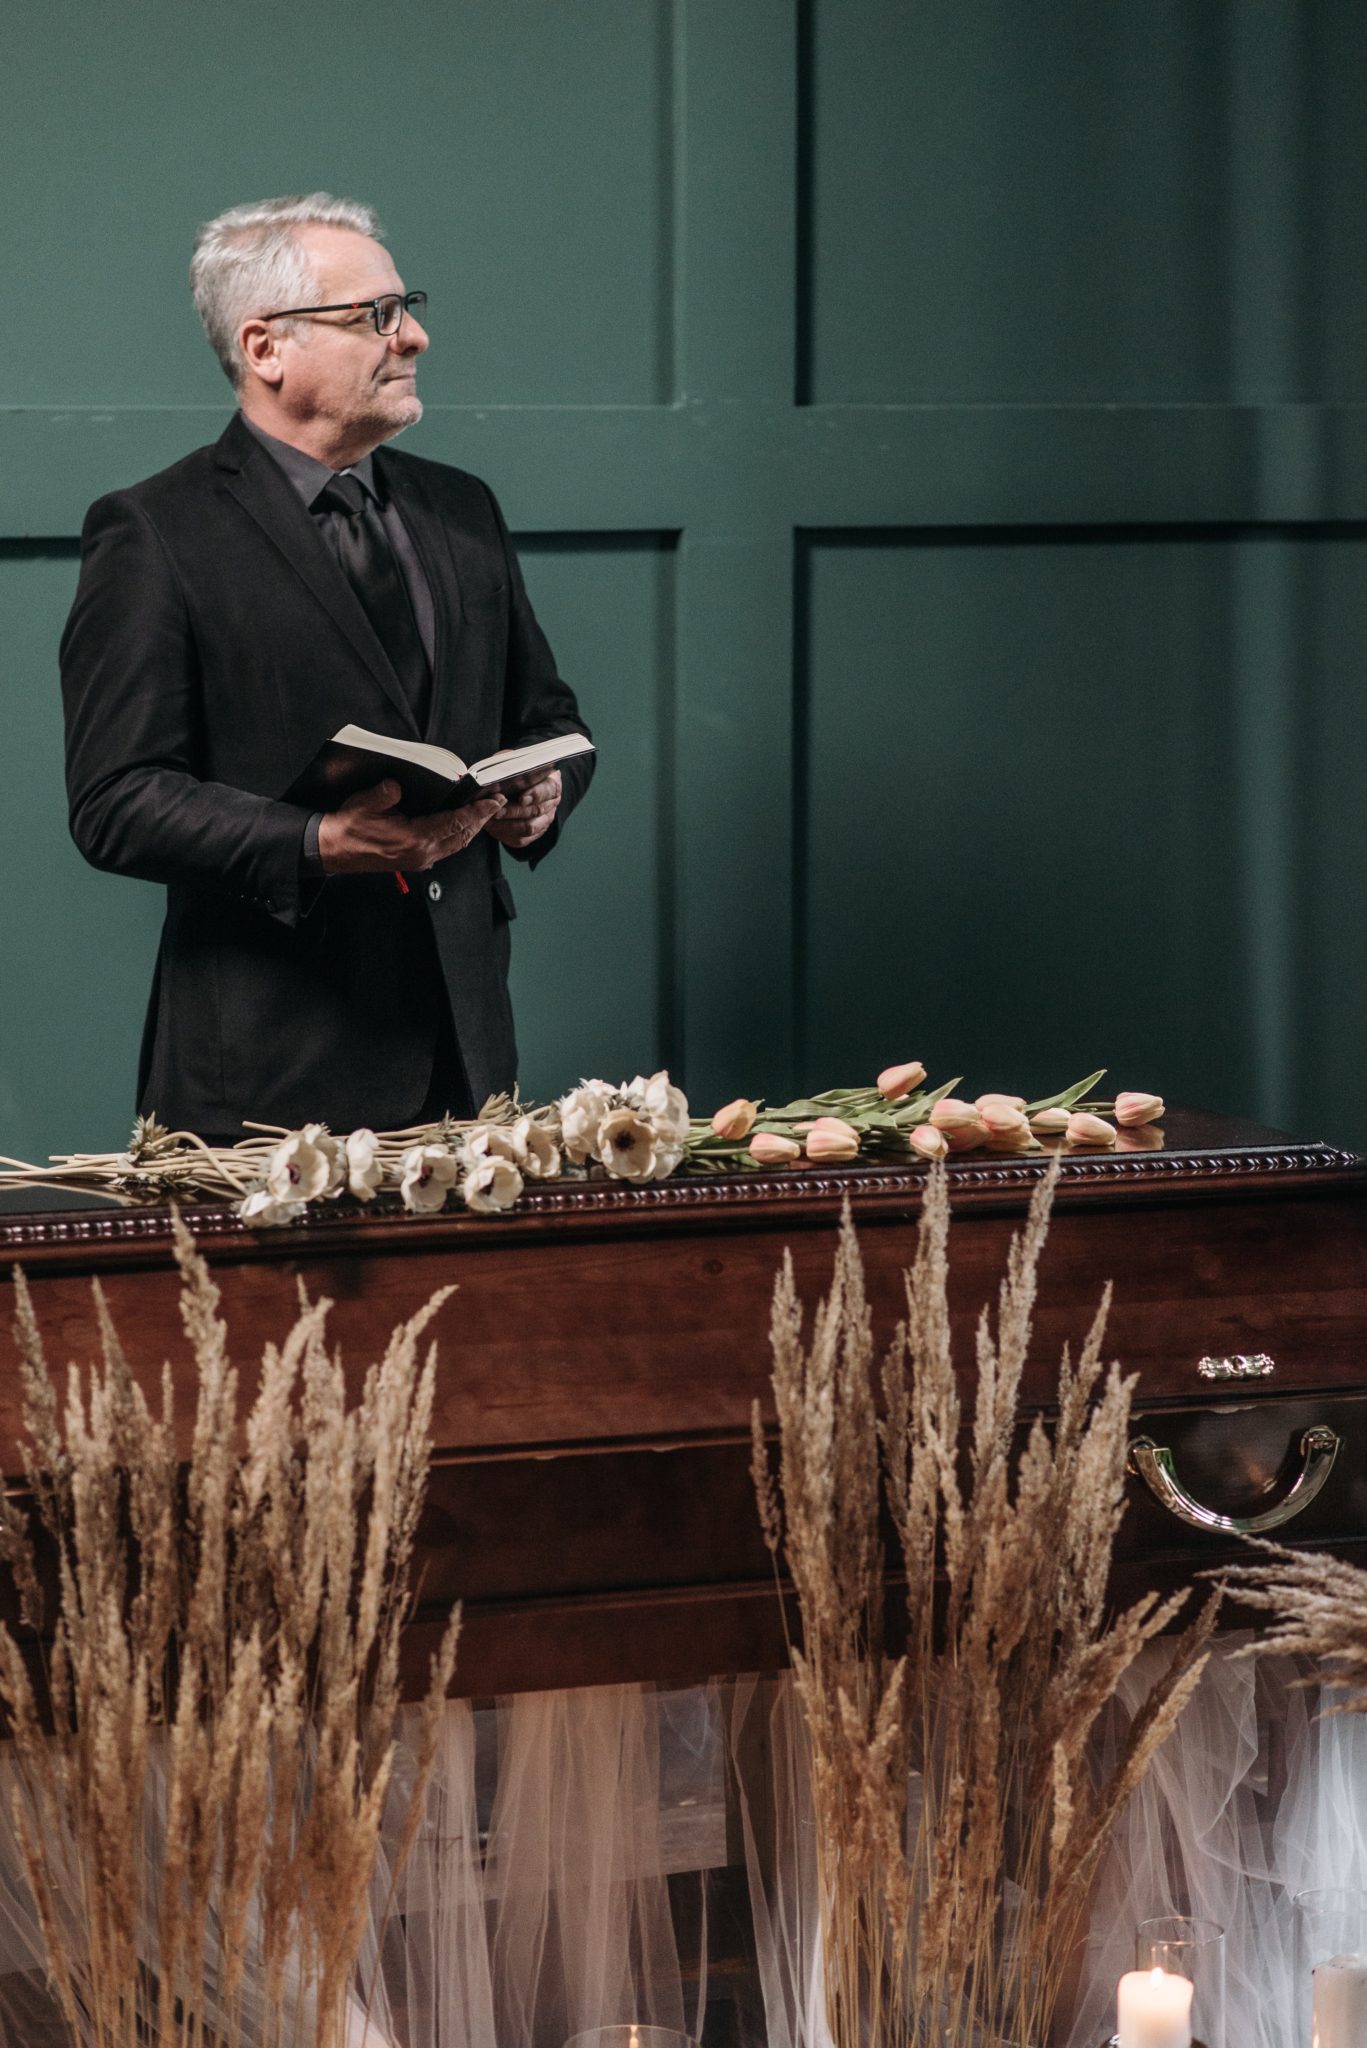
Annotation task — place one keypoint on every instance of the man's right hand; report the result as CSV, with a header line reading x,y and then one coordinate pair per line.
x,y
367,836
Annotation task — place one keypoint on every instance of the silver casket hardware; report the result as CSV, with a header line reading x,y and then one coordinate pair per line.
x,y
1239,1365
1153,1463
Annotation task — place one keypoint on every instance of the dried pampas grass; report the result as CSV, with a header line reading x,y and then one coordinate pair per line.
x,y
1318,1606
959,1823
202,1705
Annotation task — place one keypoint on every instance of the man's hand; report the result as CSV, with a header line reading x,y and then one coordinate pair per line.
x,y
534,805
366,836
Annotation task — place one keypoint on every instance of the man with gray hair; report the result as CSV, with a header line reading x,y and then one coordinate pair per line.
x,y
346,966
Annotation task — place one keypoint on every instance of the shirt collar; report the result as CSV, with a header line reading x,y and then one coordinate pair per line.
x,y
305,472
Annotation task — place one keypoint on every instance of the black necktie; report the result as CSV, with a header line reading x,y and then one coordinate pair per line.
x,y
362,547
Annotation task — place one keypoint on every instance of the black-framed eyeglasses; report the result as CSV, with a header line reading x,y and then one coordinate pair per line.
x,y
387,311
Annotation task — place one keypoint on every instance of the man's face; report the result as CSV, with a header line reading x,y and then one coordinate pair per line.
x,y
336,368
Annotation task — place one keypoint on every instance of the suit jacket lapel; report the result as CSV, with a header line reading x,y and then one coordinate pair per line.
x,y
263,491
430,540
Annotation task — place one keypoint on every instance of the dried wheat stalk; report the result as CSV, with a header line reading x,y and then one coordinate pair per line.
x,y
1008,1664
199,1822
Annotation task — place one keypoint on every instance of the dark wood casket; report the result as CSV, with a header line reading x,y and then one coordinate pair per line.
x,y
591,1501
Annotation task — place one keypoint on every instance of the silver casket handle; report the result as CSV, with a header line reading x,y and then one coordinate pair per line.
x,y
1154,1465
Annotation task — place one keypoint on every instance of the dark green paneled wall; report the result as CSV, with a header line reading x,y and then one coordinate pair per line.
x,y
937,436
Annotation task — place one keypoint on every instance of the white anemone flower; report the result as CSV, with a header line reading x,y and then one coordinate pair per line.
x,y
490,1141
665,1105
492,1185
536,1151
301,1166
364,1167
581,1116
427,1174
628,1145
264,1211
668,1153
334,1151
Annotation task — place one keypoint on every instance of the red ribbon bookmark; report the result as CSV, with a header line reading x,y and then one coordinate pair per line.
x,y
403,886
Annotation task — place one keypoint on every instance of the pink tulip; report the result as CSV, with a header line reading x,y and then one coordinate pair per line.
x,y
1010,1101
949,1114
895,1082
967,1137
930,1143
1047,1123
830,1138
736,1119
1019,1138
1002,1117
1131,1108
1086,1129
772,1150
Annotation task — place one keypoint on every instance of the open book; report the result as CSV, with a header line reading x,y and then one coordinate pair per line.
x,y
431,778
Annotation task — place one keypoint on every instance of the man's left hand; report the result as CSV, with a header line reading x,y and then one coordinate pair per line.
x,y
529,813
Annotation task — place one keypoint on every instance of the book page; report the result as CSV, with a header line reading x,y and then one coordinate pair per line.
x,y
440,760
522,760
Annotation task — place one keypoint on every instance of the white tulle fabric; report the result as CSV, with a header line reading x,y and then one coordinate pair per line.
x,y
427,1932
555,1917
536,1903
1256,1796
768,1753
582,1934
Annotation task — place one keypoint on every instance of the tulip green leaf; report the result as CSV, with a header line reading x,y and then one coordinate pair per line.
x,y
1068,1097
916,1109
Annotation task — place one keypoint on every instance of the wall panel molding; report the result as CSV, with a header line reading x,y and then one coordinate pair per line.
x,y
703,463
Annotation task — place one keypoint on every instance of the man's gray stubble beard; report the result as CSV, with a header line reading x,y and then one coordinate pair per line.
x,y
415,414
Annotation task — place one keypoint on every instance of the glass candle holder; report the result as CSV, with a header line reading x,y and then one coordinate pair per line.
x,y
1331,1969
630,2035
1194,1949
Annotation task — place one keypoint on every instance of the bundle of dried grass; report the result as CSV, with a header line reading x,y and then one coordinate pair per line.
x,y
958,1823
1319,1610
202,1712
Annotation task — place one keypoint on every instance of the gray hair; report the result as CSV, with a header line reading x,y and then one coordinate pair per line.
x,y
248,260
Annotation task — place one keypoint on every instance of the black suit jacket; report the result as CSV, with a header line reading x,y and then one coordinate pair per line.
x,y
213,644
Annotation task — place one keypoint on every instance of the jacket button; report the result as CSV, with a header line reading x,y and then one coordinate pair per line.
x,y
434,892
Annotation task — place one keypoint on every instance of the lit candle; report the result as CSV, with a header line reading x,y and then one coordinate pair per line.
x,y
1340,2003
1153,2010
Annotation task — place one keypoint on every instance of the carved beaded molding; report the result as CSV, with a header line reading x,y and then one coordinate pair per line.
x,y
1130,1172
